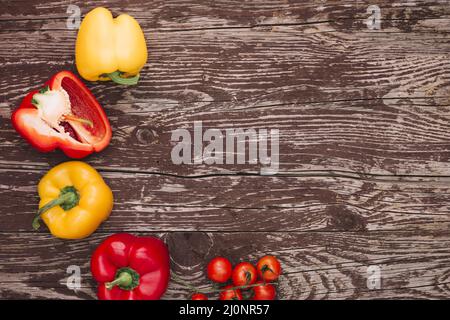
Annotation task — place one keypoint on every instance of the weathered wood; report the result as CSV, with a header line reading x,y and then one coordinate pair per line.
x,y
358,138
328,265
363,116
188,15
286,63
154,203
286,77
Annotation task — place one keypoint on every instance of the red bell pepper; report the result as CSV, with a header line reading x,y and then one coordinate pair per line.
x,y
65,115
131,268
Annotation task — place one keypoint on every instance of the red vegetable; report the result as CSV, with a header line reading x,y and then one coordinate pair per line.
x,y
199,296
63,114
131,268
244,274
269,268
219,269
230,294
264,292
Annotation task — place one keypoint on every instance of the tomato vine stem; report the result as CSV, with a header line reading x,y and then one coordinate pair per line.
x,y
195,289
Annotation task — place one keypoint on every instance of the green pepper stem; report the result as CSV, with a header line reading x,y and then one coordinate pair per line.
x,y
67,199
124,279
117,78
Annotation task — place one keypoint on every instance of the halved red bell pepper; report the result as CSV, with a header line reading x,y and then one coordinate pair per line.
x,y
131,268
63,114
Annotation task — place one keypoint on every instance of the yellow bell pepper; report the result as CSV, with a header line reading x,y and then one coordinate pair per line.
x,y
74,200
110,48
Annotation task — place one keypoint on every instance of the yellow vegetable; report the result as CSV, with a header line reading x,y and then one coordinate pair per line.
x,y
110,48
74,200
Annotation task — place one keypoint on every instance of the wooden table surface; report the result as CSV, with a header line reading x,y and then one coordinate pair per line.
x,y
364,177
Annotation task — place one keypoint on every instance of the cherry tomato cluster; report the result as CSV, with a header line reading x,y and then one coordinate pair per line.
x,y
248,281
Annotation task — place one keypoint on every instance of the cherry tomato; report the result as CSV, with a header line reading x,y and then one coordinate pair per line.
x,y
219,269
269,268
243,274
264,292
233,294
199,296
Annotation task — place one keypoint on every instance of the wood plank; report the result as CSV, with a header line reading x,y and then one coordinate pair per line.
x,y
316,265
360,138
262,78
194,14
300,63
364,147
155,203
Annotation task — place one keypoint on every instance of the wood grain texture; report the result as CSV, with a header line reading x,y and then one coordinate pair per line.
x,y
344,98
327,265
177,15
155,203
364,147
403,137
